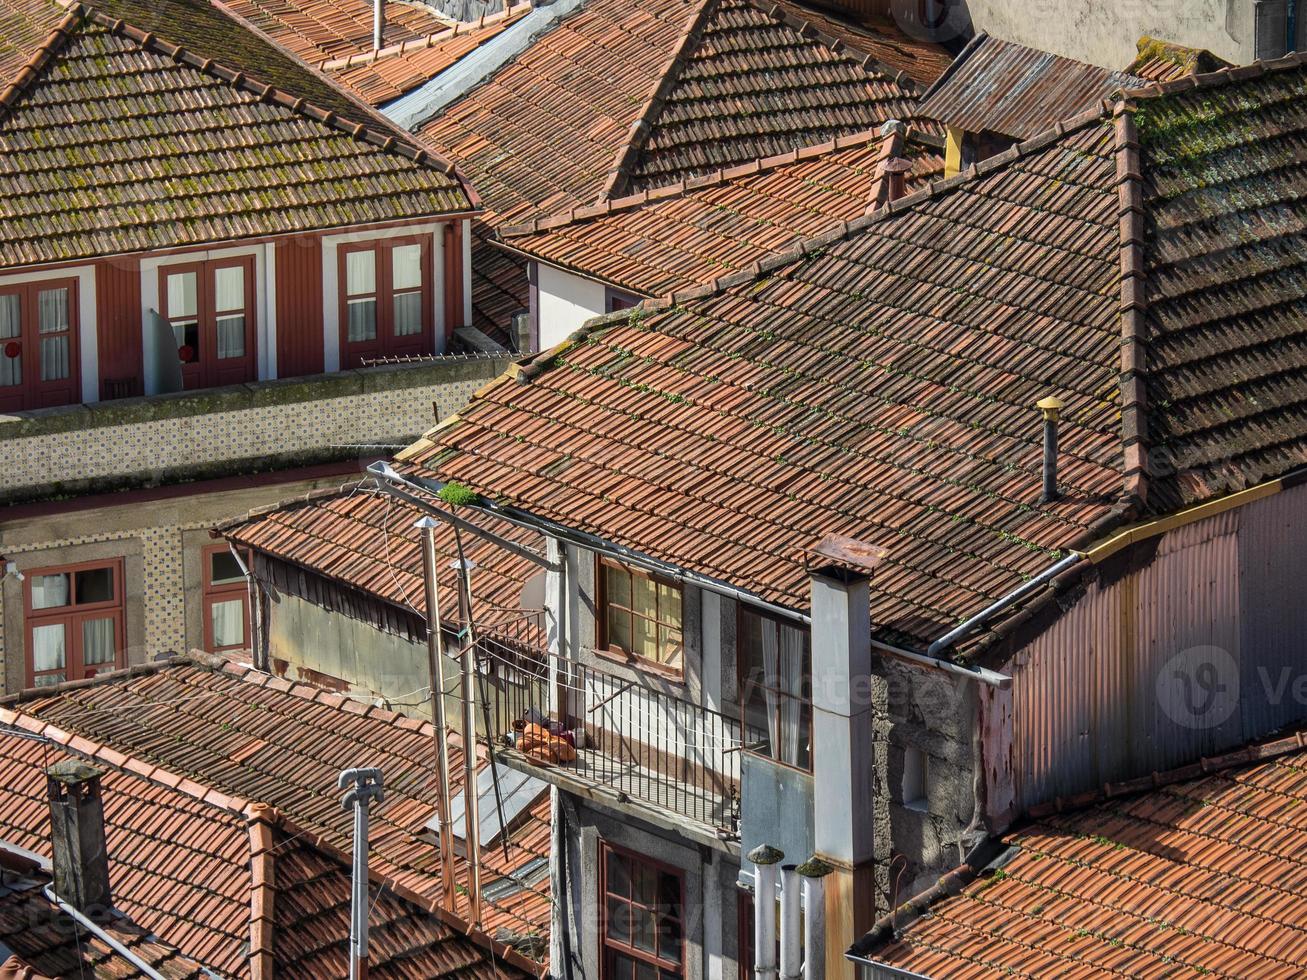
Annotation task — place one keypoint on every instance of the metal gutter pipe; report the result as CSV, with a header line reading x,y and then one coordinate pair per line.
x,y
90,926
1020,592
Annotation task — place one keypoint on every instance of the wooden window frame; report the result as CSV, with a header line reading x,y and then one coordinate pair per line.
x,y
744,609
212,594
609,946
604,646
616,299
71,615
207,371
31,392
386,343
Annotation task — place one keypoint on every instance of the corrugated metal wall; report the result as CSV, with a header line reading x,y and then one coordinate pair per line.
x,y
1108,693
118,310
299,306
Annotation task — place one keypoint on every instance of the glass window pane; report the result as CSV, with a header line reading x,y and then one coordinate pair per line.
x,y
362,320
360,273
669,893
229,288
54,358
224,569
619,927
644,929
98,641
52,310
644,641
619,629
408,314
618,586
227,619
181,295
50,680
406,267
48,648
644,596
11,315
669,604
619,878
50,591
95,585
644,971
231,336
669,937
669,645
188,337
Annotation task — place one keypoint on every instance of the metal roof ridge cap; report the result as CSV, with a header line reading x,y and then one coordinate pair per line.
x,y
457,29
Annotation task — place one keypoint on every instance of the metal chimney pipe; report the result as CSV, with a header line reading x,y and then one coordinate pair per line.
x,y
471,805
364,786
765,858
378,23
813,872
791,944
1051,409
436,671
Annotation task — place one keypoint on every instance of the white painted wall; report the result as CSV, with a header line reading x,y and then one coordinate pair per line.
x,y
565,302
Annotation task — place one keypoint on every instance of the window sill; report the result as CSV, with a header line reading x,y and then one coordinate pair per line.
x,y
661,671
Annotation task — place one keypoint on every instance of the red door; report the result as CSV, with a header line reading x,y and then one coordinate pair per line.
x,y
211,308
385,300
38,345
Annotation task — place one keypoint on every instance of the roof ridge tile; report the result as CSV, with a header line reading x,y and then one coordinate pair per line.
x,y
458,28
1219,77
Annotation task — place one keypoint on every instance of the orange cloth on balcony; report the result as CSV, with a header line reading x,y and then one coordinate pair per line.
x,y
537,742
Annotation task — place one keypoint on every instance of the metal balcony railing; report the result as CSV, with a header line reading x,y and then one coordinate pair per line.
x,y
611,731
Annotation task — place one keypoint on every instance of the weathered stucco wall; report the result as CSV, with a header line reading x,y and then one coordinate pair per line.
x,y
1106,33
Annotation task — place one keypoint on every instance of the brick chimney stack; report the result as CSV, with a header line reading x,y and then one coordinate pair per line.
x,y
81,859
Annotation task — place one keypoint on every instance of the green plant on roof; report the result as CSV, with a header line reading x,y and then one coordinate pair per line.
x,y
455,494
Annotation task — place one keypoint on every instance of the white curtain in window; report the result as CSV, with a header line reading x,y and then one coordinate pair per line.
x,y
52,317
362,320
408,314
48,648
228,621
406,267
97,641
181,295
231,336
770,678
360,273
54,358
11,328
50,591
791,681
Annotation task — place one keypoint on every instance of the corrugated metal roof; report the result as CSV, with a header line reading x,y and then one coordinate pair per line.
x,y
1002,87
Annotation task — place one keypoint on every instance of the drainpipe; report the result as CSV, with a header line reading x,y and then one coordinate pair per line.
x,y
436,674
378,23
813,872
791,948
765,858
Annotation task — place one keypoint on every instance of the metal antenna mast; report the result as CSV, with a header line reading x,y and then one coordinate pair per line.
x,y
364,787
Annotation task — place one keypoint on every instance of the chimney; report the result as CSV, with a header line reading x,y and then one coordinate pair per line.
x,y
765,859
81,860
791,944
1051,409
891,179
812,871
378,23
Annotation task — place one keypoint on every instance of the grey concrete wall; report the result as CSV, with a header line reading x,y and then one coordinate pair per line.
x,y
1104,32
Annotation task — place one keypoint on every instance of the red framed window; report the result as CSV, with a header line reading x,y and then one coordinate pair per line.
x,y
211,308
38,345
74,622
615,300
640,617
226,601
641,918
385,299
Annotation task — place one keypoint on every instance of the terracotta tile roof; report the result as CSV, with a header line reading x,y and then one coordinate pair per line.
x,y
117,141
323,30
657,242
752,80
560,125
399,69
1205,876
1003,87
366,540
1226,268
1165,61
879,383
24,27
232,733
41,936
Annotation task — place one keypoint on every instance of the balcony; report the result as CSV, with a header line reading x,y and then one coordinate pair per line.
x,y
620,741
